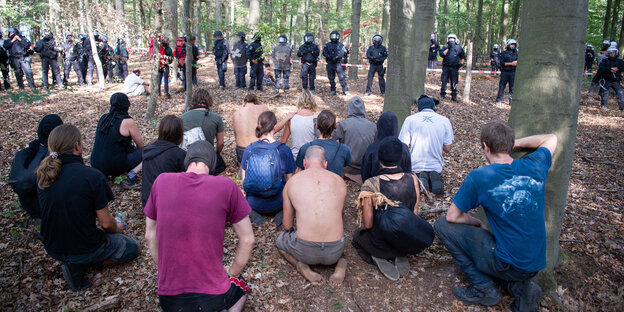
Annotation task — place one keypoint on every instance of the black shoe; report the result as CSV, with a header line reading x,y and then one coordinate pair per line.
x,y
256,218
168,96
387,268
454,99
526,297
131,184
470,295
279,217
332,93
442,96
74,275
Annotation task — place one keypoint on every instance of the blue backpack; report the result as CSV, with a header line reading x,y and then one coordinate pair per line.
x,y
263,175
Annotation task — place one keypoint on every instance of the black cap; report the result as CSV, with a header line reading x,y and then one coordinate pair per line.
x,y
425,102
390,151
201,151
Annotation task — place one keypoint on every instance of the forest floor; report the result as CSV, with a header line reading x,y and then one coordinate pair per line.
x,y
591,276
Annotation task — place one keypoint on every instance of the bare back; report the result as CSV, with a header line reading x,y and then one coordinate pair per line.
x,y
245,121
318,197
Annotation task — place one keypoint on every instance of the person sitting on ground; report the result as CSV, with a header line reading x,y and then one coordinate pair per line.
x,y
428,134
388,203
163,155
211,124
314,240
72,196
269,77
266,166
512,194
113,151
357,133
300,129
134,85
22,177
387,125
337,154
190,211
245,120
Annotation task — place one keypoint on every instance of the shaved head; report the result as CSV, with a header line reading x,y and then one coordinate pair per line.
x,y
315,153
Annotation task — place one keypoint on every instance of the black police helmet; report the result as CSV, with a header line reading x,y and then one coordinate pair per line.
x,y
257,37
282,39
309,37
377,39
12,31
217,33
334,35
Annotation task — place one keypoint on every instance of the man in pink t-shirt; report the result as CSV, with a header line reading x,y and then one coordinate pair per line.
x,y
186,215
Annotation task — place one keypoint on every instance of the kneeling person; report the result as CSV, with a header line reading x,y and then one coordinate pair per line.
x,y
315,240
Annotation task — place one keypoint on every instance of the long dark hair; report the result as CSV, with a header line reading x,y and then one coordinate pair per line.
x,y
266,123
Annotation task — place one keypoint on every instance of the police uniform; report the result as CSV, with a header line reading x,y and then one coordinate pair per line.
x,y
221,54
376,55
256,73
46,48
610,80
281,64
239,59
508,74
19,59
333,52
309,53
451,63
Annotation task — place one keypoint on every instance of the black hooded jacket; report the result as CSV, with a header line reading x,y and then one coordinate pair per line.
x,y
158,157
309,52
387,125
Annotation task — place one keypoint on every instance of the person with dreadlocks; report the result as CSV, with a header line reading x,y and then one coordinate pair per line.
x,y
118,147
22,176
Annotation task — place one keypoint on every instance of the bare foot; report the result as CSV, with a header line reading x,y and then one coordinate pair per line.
x,y
335,280
310,275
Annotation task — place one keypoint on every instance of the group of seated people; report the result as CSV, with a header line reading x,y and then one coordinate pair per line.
x,y
187,204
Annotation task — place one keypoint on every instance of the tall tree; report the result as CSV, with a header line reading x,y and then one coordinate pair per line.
x,y
408,49
385,18
478,38
188,12
621,39
254,14
170,24
607,19
514,21
614,19
158,30
468,83
96,58
546,100
355,37
503,22
218,13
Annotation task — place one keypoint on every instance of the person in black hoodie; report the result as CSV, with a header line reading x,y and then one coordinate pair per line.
x,y
454,57
18,47
4,65
22,176
309,53
163,155
434,47
387,125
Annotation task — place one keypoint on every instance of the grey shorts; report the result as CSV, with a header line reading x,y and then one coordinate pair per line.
x,y
326,253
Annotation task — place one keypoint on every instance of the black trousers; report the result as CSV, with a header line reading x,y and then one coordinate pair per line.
x,y
46,65
308,75
379,69
239,75
256,74
452,74
90,69
67,69
604,93
507,77
163,73
221,75
5,75
21,67
334,69
122,69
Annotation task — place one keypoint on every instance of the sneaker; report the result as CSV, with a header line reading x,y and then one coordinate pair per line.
x,y
605,108
442,96
402,264
256,218
471,295
387,268
131,184
332,93
383,95
221,87
526,299
367,94
261,89
74,275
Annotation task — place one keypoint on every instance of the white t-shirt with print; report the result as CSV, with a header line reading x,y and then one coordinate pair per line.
x,y
426,133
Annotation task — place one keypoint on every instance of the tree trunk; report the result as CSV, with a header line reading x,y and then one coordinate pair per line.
x,y
270,13
158,30
514,21
188,9
96,58
218,13
385,19
301,13
466,96
607,19
197,19
83,18
614,19
142,13
503,23
445,23
408,48
621,39
170,24
254,14
478,32
355,38
546,100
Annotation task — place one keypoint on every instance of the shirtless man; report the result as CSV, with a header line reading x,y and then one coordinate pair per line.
x,y
317,197
245,121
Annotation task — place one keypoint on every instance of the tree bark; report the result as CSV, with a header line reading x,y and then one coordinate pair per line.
x,y
301,13
355,37
546,100
607,19
142,14
197,19
466,96
254,14
96,58
385,19
478,32
188,10
614,19
503,23
445,23
621,39
218,13
158,30
408,49
170,25
514,21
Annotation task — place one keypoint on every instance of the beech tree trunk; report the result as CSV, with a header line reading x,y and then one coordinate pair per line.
x,y
546,100
355,38
96,58
478,39
408,49
158,30
607,19
188,10
466,96
170,25
503,22
514,21
254,14
614,19
385,19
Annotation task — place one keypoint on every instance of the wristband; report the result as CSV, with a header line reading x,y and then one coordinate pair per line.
x,y
228,272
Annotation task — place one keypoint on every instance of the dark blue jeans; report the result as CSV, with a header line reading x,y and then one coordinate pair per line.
x,y
117,247
472,249
239,73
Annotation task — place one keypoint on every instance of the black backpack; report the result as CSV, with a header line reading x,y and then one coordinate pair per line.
x,y
23,180
403,230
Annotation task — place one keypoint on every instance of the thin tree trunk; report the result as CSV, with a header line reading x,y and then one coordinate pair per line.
x,y
546,100
142,13
445,23
270,11
478,32
385,19
119,13
170,25
197,19
621,39
232,13
607,19
408,48
254,14
218,13
81,11
466,96
514,21
502,24
158,30
188,10
614,19
355,37
301,13
96,58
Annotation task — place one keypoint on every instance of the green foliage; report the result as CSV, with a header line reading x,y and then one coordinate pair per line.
x,y
337,305
119,179
27,96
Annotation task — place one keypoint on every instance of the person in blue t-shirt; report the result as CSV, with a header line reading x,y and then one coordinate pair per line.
x,y
260,204
511,191
338,155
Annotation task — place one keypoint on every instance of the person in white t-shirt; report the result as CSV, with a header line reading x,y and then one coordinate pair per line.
x,y
134,85
427,134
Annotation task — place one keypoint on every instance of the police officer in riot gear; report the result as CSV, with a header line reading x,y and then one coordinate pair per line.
x,y
509,61
107,55
495,58
122,59
309,53
239,59
453,58
376,55
70,60
221,53
88,60
79,48
46,47
254,55
281,63
4,64
589,57
609,75
434,47
18,48
334,51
